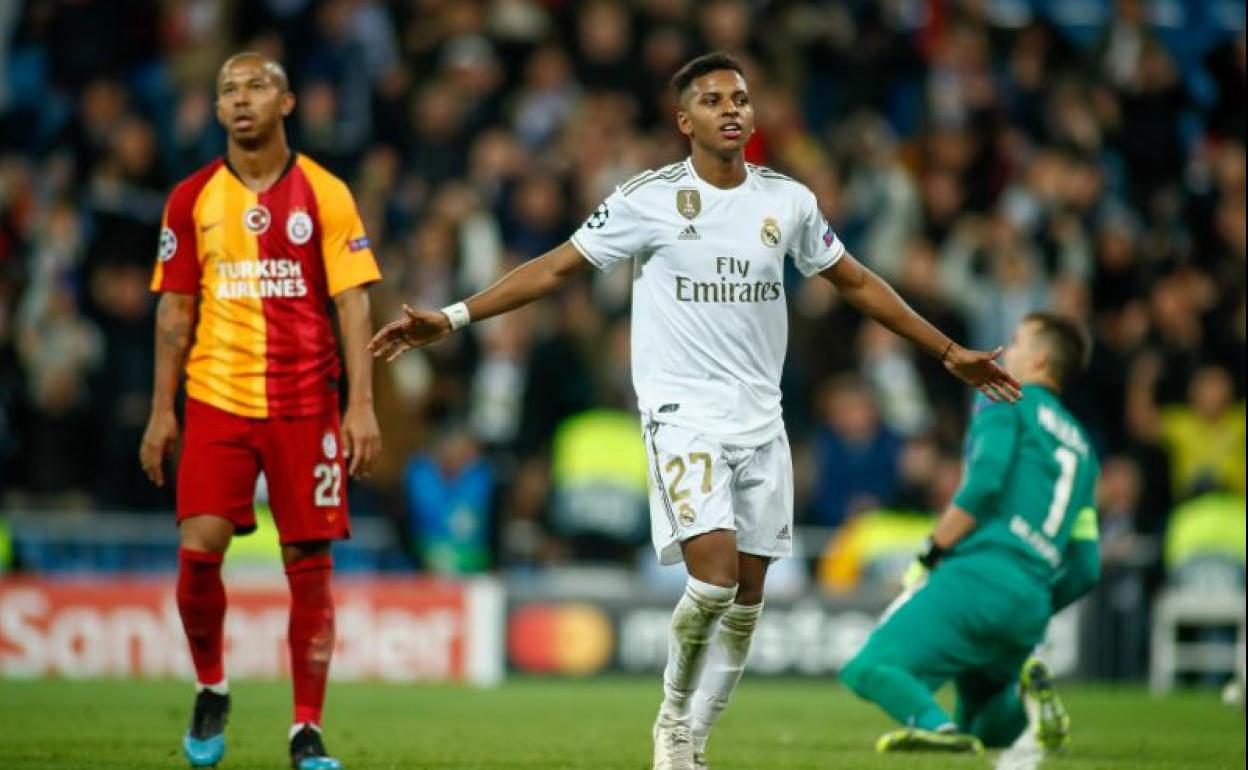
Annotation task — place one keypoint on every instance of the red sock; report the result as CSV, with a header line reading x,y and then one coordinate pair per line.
x,y
201,603
311,633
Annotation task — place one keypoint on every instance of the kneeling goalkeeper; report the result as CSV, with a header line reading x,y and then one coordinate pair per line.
x,y
1017,544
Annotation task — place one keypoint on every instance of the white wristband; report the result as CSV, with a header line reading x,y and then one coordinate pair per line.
x,y
458,315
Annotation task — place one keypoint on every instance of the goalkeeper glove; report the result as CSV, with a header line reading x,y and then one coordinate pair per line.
x,y
924,563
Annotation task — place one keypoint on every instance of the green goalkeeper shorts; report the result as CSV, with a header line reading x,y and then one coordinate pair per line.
x,y
961,620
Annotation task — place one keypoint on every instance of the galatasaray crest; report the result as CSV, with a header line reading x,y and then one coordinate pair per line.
x,y
299,227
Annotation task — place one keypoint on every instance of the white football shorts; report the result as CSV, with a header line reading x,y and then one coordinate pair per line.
x,y
698,485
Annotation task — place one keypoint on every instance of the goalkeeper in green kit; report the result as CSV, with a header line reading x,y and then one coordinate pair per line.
x,y
1017,544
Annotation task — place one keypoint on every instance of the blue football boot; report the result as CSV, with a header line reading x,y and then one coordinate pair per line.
x,y
204,742
307,751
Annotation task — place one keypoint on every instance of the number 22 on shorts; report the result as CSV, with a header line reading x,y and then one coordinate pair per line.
x,y
328,490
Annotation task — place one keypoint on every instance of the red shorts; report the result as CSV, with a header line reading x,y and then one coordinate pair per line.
x,y
301,457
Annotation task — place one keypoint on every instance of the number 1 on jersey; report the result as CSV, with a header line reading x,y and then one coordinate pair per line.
x,y
1068,461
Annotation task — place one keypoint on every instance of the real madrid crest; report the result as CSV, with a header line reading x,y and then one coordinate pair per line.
x,y
257,219
770,232
329,445
688,202
299,227
687,514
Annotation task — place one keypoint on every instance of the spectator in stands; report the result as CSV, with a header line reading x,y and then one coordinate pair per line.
x,y
59,349
1011,283
449,497
122,390
1204,546
599,486
856,455
1204,437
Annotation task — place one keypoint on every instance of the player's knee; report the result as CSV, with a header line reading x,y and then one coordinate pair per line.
x,y
855,673
205,534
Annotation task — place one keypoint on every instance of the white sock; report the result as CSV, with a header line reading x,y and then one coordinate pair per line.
x,y
723,668
693,624
297,726
220,688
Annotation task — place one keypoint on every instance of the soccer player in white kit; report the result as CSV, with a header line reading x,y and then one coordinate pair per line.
x,y
707,238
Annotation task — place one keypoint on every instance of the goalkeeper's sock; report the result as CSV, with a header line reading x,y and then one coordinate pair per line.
x,y
725,662
936,720
310,634
693,623
201,605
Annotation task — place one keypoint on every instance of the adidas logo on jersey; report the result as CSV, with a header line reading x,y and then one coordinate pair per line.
x,y
783,534
690,233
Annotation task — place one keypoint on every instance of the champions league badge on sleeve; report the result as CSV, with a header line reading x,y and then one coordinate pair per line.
x,y
168,245
598,219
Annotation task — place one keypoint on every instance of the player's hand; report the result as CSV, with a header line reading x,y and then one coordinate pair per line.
x,y
980,369
159,439
415,329
361,439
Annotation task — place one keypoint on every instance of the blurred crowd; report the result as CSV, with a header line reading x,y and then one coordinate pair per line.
x,y
989,157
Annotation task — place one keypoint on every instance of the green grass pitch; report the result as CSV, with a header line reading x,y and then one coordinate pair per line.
x,y
598,724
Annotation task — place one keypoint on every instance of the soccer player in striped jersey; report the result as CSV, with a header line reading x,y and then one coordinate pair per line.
x,y
253,248
1017,544
707,239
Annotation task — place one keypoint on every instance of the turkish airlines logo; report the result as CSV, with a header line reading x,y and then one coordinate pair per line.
x,y
257,219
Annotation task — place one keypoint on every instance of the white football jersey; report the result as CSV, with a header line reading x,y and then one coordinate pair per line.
x,y
710,321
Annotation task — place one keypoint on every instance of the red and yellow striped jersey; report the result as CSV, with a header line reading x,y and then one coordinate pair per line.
x,y
264,266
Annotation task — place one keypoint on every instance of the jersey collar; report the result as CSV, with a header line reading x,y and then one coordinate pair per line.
x,y
290,163
749,176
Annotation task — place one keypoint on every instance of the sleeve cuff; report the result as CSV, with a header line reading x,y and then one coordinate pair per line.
x,y
834,251
355,283
175,287
585,252
969,503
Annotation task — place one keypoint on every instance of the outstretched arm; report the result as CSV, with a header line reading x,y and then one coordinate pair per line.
x,y
530,281
867,292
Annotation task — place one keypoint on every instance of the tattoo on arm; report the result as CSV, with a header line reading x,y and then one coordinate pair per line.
x,y
177,336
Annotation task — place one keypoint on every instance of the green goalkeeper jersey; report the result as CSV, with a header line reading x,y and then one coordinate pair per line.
x,y
1029,480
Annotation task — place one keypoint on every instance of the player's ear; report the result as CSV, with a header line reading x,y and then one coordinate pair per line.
x,y
288,103
220,110
1042,359
684,123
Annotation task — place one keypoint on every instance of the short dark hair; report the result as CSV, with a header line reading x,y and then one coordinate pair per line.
x,y
1067,342
704,64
